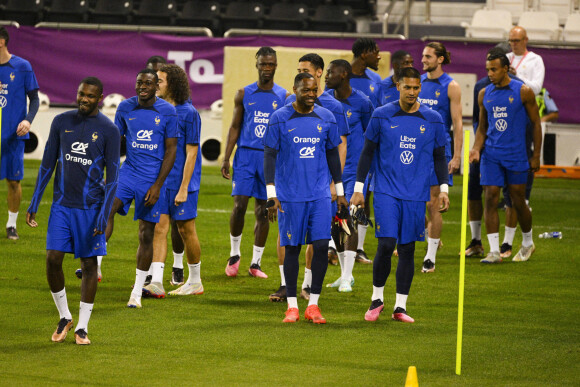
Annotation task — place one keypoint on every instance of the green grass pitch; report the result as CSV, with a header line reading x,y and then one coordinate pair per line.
x,y
520,321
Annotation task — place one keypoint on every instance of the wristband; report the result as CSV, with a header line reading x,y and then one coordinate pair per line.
x,y
358,187
339,189
271,191
444,188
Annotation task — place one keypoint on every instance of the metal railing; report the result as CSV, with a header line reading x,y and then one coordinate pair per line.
x,y
308,34
195,31
10,23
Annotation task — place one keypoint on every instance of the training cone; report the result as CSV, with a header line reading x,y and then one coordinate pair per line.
x,y
412,377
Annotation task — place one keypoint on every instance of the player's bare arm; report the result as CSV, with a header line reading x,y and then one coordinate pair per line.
x,y
188,168
234,132
454,92
529,101
481,133
152,194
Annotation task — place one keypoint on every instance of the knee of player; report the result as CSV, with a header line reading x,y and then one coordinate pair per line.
x,y
161,230
385,245
146,235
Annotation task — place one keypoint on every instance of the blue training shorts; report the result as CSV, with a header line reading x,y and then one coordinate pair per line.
x,y
71,230
500,172
185,211
304,222
12,160
128,191
397,218
248,179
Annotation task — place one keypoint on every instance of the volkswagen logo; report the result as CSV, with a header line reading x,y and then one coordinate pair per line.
x,y
501,125
406,157
307,152
2,101
260,130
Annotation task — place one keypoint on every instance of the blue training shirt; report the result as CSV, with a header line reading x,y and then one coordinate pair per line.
x,y
16,79
367,86
358,109
507,118
145,130
189,126
404,153
80,147
331,104
259,104
302,141
388,91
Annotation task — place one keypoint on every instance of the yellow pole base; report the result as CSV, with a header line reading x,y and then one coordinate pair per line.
x,y
412,377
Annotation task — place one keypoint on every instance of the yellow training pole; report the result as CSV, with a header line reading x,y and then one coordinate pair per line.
x,y
462,250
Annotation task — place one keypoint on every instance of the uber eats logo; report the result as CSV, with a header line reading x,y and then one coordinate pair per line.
x,y
79,148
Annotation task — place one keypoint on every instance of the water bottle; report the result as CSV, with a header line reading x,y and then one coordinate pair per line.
x,y
554,234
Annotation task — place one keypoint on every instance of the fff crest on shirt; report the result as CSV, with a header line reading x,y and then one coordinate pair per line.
x,y
348,114
157,120
95,136
511,98
437,93
12,77
274,105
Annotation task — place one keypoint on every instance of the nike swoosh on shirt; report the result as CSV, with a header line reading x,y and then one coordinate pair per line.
x,y
251,103
131,119
289,130
69,131
489,100
393,127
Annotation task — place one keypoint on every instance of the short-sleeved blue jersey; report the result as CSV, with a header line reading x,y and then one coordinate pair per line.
x,y
259,104
479,85
368,86
330,103
16,80
80,148
507,119
189,126
388,91
302,141
358,109
372,75
145,130
434,95
404,153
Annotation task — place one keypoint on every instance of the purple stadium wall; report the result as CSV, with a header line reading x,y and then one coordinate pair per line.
x,y
62,58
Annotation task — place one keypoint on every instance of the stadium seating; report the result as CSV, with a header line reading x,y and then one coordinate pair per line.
x,y
27,12
67,11
515,7
495,24
562,7
243,15
155,13
200,14
541,25
572,28
287,16
111,12
333,18
360,7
